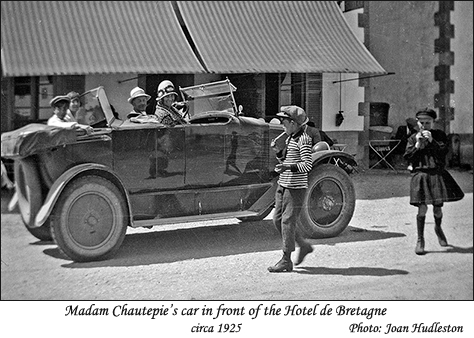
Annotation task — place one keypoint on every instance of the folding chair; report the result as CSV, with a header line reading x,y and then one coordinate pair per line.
x,y
383,148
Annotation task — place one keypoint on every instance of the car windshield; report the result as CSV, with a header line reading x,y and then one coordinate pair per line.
x,y
94,108
215,96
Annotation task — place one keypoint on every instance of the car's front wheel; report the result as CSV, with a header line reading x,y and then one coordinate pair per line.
x,y
90,219
329,202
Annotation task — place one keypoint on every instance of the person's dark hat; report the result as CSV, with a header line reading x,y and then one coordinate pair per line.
x,y
427,112
294,113
411,122
57,99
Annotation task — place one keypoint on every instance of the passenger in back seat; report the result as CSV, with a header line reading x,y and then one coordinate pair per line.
x,y
60,105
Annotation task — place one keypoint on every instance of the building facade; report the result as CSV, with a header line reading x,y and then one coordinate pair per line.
x,y
428,45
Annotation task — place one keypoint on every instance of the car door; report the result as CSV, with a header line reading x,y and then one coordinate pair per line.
x,y
149,159
205,154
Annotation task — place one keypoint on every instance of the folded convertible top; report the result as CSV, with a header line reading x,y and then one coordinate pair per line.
x,y
34,138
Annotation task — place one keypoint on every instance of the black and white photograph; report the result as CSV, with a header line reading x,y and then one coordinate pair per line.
x,y
237,167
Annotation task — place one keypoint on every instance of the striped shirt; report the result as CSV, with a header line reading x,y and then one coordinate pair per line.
x,y
298,156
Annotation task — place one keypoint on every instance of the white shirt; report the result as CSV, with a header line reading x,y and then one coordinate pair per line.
x,y
63,123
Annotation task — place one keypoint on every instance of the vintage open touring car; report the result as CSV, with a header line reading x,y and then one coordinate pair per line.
x,y
84,190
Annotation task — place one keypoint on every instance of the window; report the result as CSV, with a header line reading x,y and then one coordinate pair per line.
x,y
32,96
45,94
23,98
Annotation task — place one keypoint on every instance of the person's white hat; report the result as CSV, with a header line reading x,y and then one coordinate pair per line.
x,y
137,92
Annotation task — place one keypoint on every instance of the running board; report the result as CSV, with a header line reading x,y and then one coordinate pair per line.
x,y
192,218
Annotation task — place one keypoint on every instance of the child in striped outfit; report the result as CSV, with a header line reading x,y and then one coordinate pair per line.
x,y
295,164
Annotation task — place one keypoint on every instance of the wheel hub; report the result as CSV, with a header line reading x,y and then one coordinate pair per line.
x,y
91,221
327,203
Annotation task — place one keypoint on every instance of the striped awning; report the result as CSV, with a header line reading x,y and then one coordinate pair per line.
x,y
275,36
146,37
87,37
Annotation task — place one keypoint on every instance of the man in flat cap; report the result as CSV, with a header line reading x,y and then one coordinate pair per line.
x,y
60,105
430,183
295,163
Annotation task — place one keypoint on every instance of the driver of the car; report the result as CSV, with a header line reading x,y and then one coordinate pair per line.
x,y
167,109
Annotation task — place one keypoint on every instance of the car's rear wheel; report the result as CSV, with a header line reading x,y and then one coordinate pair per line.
x,y
90,219
329,202
30,198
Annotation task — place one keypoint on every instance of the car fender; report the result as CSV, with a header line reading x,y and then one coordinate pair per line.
x,y
59,185
326,155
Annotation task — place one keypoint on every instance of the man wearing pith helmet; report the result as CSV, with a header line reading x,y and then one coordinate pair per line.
x,y
139,100
295,163
166,111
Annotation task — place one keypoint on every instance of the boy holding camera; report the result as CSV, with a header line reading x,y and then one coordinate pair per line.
x,y
431,183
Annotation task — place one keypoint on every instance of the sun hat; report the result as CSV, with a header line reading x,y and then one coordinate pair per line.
x,y
165,88
137,92
55,100
294,113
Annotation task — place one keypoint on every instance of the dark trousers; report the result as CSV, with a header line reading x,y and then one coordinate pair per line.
x,y
288,205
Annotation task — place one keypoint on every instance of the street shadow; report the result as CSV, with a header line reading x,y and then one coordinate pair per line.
x,y
41,243
160,247
352,271
452,249
457,249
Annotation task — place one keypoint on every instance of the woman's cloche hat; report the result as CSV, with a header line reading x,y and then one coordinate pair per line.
x,y
165,88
